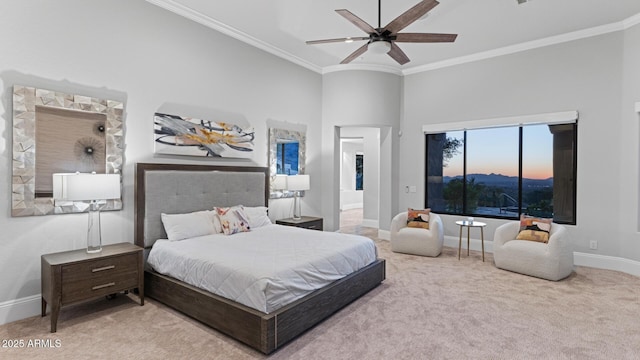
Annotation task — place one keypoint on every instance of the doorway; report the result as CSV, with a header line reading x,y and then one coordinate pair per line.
x,y
351,182
359,182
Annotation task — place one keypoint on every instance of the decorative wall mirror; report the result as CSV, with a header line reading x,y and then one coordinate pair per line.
x,y
54,132
286,157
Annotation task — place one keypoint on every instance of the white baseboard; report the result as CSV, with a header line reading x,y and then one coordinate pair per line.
x,y
579,258
475,244
384,234
607,262
14,310
370,223
351,206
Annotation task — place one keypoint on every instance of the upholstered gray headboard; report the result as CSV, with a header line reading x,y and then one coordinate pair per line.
x,y
177,189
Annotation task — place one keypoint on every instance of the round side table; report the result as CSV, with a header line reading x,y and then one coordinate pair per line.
x,y
469,225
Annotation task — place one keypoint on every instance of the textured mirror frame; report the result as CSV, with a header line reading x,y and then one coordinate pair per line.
x,y
25,100
289,135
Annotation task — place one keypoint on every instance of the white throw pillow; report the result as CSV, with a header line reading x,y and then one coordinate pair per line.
x,y
257,216
185,226
232,219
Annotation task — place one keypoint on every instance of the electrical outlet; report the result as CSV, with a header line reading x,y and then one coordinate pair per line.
x,y
593,244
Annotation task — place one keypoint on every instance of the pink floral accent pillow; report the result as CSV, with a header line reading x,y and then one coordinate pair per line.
x,y
232,219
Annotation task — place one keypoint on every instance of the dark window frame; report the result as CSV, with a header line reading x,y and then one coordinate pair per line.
x,y
464,211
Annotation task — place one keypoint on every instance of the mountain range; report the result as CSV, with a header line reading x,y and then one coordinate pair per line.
x,y
502,180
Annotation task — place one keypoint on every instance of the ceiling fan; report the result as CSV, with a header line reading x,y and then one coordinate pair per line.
x,y
386,37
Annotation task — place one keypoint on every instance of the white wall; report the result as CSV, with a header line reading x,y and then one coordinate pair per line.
x,y
629,135
132,51
361,99
350,198
584,75
371,171
371,174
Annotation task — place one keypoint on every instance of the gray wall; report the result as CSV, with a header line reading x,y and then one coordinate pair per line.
x,y
584,75
132,51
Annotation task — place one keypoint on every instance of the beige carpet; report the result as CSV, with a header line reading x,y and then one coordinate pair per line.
x,y
428,308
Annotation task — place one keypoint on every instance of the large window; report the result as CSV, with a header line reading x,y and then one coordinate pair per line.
x,y
504,172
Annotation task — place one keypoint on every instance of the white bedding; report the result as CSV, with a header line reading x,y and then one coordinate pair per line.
x,y
266,268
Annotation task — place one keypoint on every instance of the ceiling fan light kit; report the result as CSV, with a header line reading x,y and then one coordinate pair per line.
x,y
380,47
383,39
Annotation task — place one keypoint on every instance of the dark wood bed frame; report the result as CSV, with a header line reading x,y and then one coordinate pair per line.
x,y
264,332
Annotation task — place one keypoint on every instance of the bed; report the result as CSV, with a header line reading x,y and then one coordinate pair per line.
x,y
175,189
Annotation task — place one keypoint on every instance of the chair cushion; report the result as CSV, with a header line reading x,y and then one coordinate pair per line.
x,y
418,218
534,229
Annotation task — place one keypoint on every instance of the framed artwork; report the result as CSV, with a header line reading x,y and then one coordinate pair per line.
x,y
177,135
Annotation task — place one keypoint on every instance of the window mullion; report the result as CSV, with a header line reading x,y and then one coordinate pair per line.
x,y
464,174
520,173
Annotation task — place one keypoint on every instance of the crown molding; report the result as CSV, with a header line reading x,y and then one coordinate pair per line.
x,y
529,45
631,21
558,39
365,67
193,15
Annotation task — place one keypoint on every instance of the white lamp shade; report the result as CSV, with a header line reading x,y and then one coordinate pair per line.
x,y
280,182
298,182
77,187
380,47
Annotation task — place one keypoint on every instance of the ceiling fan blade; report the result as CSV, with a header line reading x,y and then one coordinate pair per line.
x,y
425,37
347,39
361,24
355,54
397,54
410,16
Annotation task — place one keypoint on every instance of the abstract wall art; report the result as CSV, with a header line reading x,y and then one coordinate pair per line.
x,y
177,135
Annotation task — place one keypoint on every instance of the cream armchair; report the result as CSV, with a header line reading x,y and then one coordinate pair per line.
x,y
551,261
417,241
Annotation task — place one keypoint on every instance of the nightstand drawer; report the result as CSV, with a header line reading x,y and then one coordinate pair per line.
x,y
314,225
103,285
112,266
306,222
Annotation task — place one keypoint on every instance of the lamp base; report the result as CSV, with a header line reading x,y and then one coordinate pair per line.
x,y
94,238
91,250
296,207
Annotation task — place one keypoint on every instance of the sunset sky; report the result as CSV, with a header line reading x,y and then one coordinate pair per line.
x,y
496,151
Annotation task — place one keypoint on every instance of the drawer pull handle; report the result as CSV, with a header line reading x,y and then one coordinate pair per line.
x,y
103,268
98,287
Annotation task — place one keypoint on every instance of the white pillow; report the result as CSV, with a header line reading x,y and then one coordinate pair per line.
x,y
257,216
185,226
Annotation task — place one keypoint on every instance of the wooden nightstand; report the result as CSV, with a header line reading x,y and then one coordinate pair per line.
x,y
73,276
307,222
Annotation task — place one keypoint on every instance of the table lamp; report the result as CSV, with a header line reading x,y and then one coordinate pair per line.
x,y
88,187
297,183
